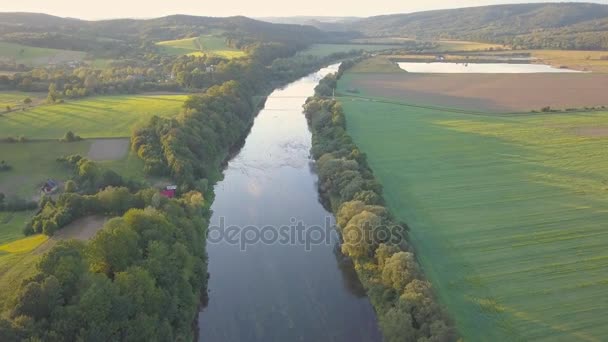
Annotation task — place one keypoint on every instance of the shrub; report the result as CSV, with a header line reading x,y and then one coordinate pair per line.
x,y
70,186
4,166
70,137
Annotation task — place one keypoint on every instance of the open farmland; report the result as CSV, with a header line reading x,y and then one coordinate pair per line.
x,y
97,117
507,213
442,45
322,50
35,162
14,99
496,92
211,44
18,257
34,56
596,61
17,262
11,225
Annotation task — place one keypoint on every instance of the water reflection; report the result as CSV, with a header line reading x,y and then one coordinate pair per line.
x,y
274,292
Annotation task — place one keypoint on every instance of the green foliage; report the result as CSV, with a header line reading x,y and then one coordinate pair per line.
x,y
399,270
70,137
358,235
70,186
132,281
91,176
404,302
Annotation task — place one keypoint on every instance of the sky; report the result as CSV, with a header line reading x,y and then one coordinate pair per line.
x,y
106,9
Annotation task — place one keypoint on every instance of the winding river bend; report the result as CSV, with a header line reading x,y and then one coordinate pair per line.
x,y
273,290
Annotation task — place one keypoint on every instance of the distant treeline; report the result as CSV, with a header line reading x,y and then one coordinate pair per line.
x,y
404,301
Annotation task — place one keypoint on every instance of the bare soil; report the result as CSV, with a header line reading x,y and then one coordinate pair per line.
x,y
494,92
81,229
108,149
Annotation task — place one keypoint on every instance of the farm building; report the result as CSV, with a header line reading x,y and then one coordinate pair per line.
x,y
49,186
169,191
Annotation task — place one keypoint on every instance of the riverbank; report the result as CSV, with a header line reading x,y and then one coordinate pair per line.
x,y
384,260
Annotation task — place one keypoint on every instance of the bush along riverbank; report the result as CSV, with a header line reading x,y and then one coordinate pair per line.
x,y
142,277
404,302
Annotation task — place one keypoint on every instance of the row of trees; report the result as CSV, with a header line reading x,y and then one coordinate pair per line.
x,y
190,146
376,242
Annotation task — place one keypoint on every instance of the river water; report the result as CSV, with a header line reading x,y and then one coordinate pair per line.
x,y
278,288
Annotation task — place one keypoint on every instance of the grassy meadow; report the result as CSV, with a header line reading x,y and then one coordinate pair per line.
x,y
34,56
508,213
35,162
211,44
18,261
95,117
461,45
11,225
596,61
14,99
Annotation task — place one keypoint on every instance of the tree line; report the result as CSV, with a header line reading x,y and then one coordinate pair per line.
x,y
190,147
385,262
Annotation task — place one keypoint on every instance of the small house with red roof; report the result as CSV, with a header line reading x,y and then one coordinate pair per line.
x,y
169,191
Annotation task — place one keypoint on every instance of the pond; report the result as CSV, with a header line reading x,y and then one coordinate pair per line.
x,y
264,288
480,68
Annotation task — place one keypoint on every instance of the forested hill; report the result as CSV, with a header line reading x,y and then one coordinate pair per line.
x,y
548,25
48,31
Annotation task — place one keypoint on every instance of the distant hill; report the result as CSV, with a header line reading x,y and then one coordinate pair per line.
x,y
336,24
546,25
42,30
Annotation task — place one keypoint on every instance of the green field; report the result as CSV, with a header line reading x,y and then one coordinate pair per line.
x,y
210,44
14,99
107,116
17,262
322,50
34,56
11,225
35,162
508,213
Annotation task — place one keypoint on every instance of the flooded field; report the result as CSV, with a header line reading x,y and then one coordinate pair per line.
x,y
480,68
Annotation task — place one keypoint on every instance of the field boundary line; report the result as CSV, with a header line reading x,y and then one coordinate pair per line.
x,y
464,111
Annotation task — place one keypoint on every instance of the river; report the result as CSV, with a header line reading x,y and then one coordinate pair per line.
x,y
266,287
